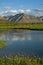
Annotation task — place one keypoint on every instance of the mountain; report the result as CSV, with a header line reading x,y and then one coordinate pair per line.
x,y
2,18
24,18
41,17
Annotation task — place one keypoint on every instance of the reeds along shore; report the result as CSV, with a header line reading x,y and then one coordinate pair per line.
x,y
22,60
2,44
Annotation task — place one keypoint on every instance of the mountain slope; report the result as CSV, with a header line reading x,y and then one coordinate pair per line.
x,y
23,18
41,17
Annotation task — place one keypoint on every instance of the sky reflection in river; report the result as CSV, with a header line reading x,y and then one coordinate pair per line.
x,y
29,43
21,36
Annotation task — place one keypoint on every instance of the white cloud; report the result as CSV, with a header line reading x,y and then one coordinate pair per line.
x,y
9,11
20,11
28,11
24,11
38,12
13,11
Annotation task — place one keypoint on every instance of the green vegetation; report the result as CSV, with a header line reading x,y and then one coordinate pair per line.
x,y
5,24
2,44
21,26
21,61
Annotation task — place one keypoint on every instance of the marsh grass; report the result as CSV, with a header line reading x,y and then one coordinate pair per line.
x,y
21,61
31,26
2,44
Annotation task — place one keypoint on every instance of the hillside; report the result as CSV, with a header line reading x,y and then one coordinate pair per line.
x,y
41,17
24,18
21,21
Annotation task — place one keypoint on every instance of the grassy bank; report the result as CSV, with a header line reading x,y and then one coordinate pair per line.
x,y
21,61
22,26
2,44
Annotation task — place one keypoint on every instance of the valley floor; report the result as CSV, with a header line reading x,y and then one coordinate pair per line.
x,y
22,26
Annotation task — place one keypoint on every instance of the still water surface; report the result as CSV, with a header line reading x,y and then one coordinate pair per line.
x,y
23,43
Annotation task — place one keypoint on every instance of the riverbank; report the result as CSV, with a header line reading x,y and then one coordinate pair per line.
x,y
21,60
22,26
2,44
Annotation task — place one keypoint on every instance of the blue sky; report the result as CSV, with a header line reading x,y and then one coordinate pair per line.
x,y
24,4
21,4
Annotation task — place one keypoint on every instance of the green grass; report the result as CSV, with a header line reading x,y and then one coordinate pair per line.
x,y
2,44
21,26
5,24
21,61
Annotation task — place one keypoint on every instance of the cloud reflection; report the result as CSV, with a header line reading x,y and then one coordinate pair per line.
x,y
21,37
18,38
2,37
29,37
15,37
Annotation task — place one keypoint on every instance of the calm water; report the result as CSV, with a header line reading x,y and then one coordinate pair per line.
x,y
23,43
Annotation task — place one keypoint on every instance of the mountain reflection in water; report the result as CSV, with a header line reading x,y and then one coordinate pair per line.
x,y
23,43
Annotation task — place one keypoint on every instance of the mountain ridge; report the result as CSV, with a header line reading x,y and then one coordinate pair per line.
x,y
24,18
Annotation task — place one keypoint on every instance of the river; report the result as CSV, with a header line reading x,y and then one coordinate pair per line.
x,y
28,43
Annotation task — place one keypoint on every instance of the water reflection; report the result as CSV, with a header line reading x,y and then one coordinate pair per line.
x,y
29,43
22,36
